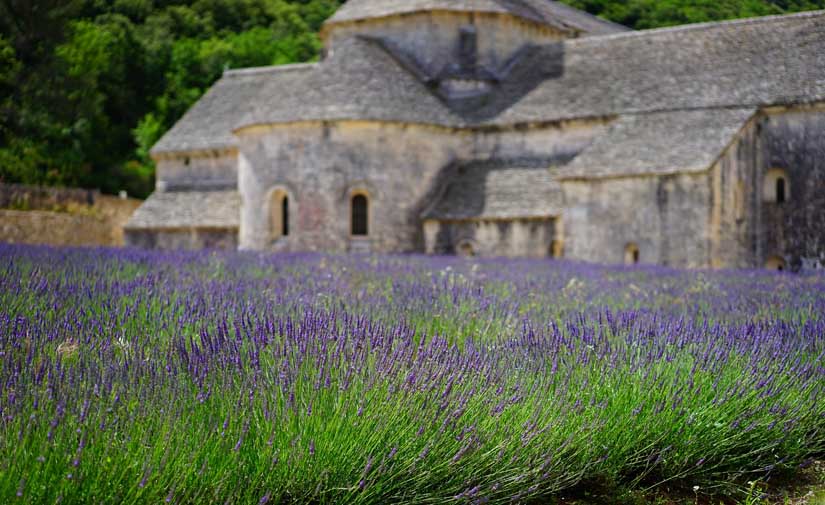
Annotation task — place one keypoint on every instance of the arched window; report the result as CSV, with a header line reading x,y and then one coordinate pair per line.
x,y
776,263
780,190
631,254
360,215
285,216
777,188
279,214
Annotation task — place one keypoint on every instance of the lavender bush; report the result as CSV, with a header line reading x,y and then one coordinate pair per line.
x,y
141,377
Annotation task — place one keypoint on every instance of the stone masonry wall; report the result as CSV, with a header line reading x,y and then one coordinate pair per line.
x,y
432,37
401,167
198,171
522,238
748,230
735,200
794,141
666,216
98,225
185,239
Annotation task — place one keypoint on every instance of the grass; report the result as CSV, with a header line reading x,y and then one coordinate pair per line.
x,y
142,377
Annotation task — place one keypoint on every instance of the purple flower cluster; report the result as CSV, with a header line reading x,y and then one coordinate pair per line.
x,y
196,376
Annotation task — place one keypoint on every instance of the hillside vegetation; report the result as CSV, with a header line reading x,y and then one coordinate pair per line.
x,y
88,86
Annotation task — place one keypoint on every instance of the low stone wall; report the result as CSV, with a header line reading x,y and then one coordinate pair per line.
x,y
22,197
56,216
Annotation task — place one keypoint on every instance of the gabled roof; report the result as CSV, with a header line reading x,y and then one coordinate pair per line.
x,y
739,64
545,12
756,62
360,81
659,143
209,123
188,209
499,189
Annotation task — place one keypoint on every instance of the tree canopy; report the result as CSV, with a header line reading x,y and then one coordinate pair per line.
x,y
88,86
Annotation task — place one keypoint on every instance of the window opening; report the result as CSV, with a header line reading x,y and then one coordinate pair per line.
x,y
285,216
279,214
360,216
780,190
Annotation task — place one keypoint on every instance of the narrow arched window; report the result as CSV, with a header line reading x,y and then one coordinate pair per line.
x,y
780,190
631,254
285,216
777,186
278,214
360,216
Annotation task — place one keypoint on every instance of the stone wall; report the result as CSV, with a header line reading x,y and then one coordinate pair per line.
x,y
432,37
667,217
186,239
22,197
794,141
206,170
749,229
519,238
401,167
100,224
735,201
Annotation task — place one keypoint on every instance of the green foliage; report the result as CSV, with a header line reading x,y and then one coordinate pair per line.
x,y
88,86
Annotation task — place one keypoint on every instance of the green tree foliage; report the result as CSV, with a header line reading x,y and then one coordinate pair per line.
x,y
88,86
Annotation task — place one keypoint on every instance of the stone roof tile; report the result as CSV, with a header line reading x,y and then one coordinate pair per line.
x,y
499,190
358,81
209,123
757,62
659,143
188,209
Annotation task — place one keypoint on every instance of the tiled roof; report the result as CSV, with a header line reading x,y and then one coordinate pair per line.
x,y
188,209
499,190
359,81
208,124
750,63
659,143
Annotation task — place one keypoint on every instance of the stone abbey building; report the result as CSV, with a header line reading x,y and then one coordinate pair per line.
x,y
511,128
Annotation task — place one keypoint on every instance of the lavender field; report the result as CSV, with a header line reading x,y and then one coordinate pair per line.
x,y
142,377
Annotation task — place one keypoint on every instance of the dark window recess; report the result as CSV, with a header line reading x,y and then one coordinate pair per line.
x,y
636,257
285,216
780,190
360,217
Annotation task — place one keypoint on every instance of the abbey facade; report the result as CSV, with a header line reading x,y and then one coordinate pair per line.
x,y
511,128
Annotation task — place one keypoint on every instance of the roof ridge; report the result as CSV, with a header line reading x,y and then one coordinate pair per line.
x,y
695,27
291,67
